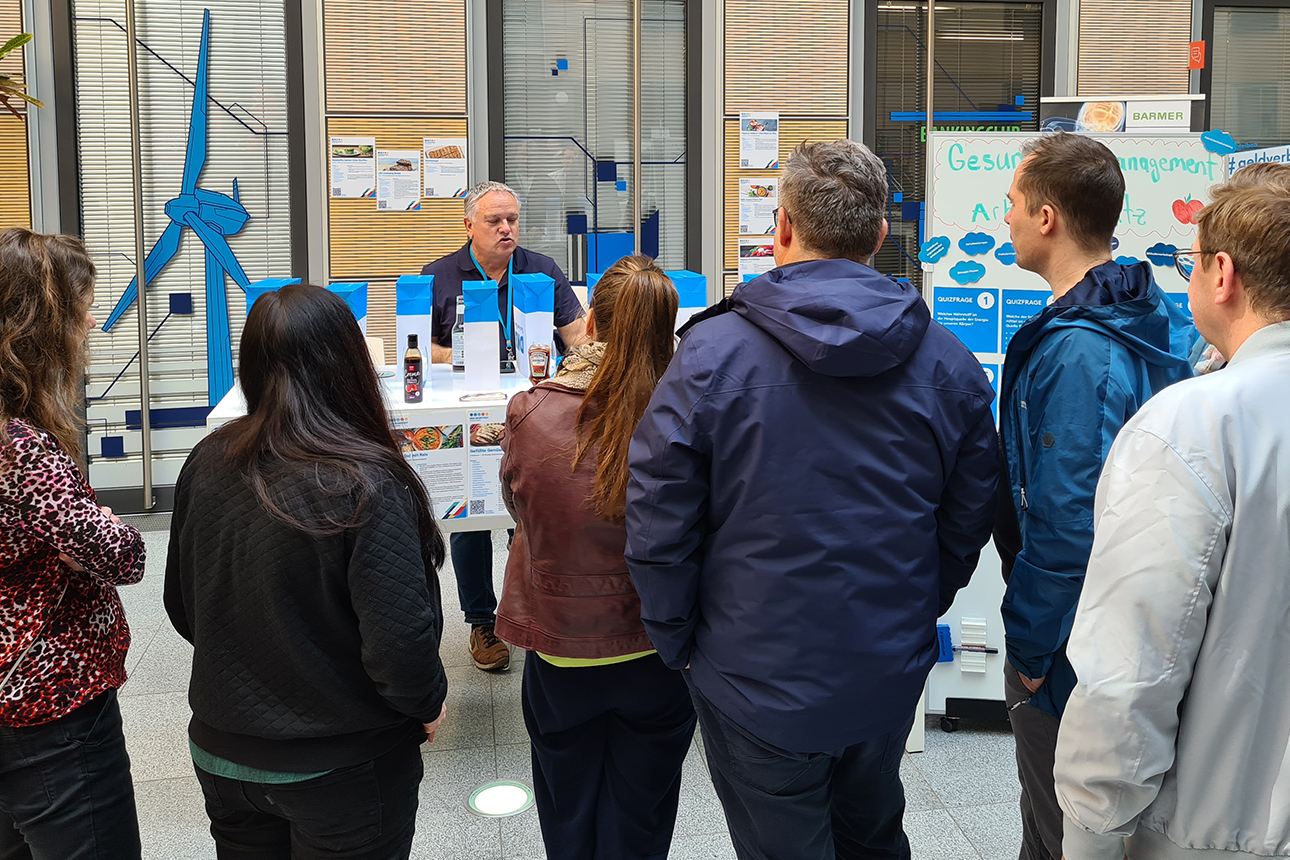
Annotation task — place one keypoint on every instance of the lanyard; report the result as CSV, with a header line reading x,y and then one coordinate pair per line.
x,y
510,305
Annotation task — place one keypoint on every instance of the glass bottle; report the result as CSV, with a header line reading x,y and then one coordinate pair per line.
x,y
412,377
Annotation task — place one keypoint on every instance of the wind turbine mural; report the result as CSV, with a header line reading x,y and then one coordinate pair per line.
x,y
212,216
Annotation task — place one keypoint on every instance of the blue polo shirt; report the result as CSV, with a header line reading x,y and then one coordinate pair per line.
x,y
452,271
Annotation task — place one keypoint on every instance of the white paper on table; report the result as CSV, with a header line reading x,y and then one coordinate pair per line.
x,y
482,346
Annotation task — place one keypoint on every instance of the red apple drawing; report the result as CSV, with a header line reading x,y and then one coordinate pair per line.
x,y
1185,210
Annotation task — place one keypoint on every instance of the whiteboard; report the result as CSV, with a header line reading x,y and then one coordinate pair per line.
x,y
977,289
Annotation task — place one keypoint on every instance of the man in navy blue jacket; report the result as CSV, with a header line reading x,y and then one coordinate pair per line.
x,y
810,486
1074,374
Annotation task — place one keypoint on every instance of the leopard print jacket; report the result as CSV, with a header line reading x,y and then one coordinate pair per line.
x,y
63,634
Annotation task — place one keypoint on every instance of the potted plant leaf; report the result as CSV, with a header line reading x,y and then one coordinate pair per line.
x,y
12,86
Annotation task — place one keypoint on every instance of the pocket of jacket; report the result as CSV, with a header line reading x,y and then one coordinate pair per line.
x,y
581,584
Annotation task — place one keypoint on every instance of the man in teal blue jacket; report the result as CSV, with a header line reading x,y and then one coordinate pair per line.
x,y
1074,374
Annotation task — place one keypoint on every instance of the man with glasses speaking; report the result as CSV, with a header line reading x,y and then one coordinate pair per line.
x,y
492,253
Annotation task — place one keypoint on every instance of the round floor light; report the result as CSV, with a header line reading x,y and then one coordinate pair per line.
x,y
500,799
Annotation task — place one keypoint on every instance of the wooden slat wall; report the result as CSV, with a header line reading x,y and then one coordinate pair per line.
x,y
1134,48
791,133
398,57
378,247
15,192
787,55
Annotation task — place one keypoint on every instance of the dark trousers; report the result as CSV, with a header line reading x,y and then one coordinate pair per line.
x,y
1035,733
365,811
782,805
608,744
65,788
472,562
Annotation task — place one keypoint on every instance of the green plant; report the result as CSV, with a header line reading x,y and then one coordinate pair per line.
x,y
12,86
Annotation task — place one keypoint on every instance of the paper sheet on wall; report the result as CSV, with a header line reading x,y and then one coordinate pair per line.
x,y
353,167
756,256
759,140
487,426
398,180
758,200
438,455
445,166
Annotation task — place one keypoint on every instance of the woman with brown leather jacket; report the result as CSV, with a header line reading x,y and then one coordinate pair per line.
x,y
610,724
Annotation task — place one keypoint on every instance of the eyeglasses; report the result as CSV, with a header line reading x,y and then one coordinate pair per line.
x,y
1184,261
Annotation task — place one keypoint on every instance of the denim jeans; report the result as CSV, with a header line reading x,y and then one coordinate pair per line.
x,y
365,811
848,804
472,562
65,788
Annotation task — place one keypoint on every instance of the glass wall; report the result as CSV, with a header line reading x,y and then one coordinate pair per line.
x,y
1251,74
230,175
568,127
988,72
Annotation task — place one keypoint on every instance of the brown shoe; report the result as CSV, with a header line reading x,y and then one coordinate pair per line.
x,y
487,650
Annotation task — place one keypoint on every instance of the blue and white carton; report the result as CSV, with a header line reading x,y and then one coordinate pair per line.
x,y
414,314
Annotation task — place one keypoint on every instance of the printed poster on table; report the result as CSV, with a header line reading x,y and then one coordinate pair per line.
x,y
756,256
445,166
353,167
759,140
398,180
438,455
758,200
485,429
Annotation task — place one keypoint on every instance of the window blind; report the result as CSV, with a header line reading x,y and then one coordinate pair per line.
x,y
1251,83
15,190
1130,49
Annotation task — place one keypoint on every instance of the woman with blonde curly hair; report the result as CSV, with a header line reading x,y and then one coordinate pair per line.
x,y
65,788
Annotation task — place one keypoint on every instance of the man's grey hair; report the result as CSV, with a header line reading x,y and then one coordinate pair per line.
x,y
473,195
835,195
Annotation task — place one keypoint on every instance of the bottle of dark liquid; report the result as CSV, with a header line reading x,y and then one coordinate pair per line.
x,y
459,338
412,378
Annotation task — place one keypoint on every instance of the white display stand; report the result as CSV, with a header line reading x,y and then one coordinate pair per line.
x,y
460,471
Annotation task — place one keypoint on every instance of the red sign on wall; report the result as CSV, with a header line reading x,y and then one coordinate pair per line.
x,y
1197,56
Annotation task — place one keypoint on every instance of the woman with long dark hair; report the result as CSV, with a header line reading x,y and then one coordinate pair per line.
x,y
610,725
303,568
65,788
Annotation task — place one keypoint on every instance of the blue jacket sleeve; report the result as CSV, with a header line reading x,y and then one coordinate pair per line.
x,y
1072,410
667,505
966,513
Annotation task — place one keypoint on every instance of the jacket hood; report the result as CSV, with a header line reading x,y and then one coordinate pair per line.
x,y
839,318
1131,308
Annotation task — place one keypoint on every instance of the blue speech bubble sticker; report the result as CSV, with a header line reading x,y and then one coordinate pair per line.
x,y
975,244
934,249
967,272
1161,254
1218,142
1006,254
1127,261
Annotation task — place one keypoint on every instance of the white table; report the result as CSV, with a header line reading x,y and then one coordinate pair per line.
x,y
451,443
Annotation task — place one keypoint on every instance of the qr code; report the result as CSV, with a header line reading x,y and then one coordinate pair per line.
x,y
476,507
743,162
743,228
335,192
382,204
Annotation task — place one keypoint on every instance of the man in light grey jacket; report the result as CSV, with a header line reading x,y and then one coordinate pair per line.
x,y
1176,740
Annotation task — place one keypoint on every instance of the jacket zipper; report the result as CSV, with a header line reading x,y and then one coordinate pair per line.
x,y
1024,433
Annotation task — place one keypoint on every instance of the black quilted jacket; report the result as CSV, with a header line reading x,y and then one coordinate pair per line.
x,y
308,653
